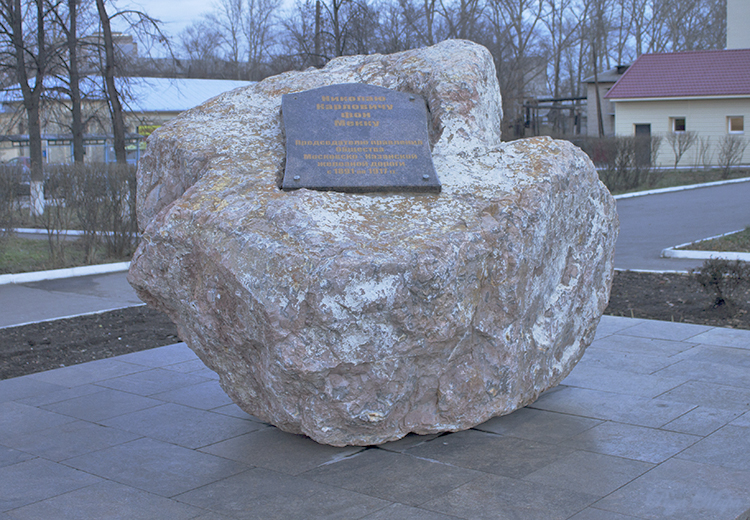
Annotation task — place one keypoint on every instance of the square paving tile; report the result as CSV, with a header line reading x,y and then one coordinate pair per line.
x,y
609,325
9,456
402,512
683,490
710,395
592,513
262,493
494,497
666,330
233,410
501,455
609,406
160,357
628,383
156,467
701,421
107,500
742,420
104,404
719,373
60,395
18,418
187,367
632,442
725,337
33,480
637,363
591,473
392,476
728,447
69,440
735,357
638,345
153,381
86,373
538,425
178,424
23,387
271,448
205,396
404,443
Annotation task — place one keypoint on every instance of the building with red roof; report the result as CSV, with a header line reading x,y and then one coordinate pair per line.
x,y
703,92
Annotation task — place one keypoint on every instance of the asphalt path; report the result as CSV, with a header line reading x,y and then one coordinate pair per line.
x,y
648,224
53,299
651,223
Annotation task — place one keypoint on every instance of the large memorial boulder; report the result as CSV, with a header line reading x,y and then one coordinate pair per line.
x,y
358,318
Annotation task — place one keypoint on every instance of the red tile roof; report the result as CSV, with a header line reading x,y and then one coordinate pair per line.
x,y
686,74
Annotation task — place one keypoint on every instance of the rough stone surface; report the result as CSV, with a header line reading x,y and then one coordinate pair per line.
x,y
358,318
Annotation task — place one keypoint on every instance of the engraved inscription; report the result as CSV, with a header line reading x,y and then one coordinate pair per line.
x,y
357,138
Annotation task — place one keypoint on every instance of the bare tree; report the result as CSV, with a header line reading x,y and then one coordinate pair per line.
x,y
420,17
113,96
731,150
31,55
514,23
563,32
200,41
69,73
114,62
258,20
228,18
680,142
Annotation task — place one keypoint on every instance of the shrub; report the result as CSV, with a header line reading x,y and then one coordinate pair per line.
x,y
680,142
625,163
721,279
731,150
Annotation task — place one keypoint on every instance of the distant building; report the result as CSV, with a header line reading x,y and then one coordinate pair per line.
x,y
706,92
605,81
738,19
147,102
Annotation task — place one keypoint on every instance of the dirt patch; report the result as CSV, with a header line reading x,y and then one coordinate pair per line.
x,y
44,346
52,344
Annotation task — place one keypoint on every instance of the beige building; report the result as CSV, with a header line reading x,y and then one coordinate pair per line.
x,y
147,102
605,81
705,93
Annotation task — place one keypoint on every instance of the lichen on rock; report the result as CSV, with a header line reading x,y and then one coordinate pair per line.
x,y
358,318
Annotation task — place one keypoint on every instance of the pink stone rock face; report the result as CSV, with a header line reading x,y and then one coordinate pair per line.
x,y
358,318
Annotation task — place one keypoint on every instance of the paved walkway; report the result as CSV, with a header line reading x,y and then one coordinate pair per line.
x,y
653,423
651,223
53,299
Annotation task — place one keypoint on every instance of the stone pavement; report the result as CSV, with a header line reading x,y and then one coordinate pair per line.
x,y
654,423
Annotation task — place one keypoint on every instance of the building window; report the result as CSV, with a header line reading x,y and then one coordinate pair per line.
x,y
736,124
678,124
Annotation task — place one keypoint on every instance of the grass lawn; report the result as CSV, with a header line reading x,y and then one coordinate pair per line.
x,y
22,255
671,178
737,242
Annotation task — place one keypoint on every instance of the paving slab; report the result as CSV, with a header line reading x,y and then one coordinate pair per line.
x,y
109,500
683,490
654,423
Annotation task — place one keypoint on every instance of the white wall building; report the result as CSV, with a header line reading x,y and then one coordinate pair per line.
x,y
705,92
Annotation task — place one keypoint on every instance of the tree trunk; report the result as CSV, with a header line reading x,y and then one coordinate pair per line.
x,y
317,62
31,96
75,89
113,97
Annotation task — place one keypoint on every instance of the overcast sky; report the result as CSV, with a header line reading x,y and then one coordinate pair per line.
x,y
176,14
